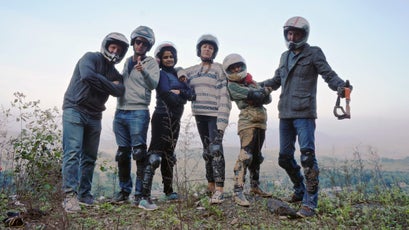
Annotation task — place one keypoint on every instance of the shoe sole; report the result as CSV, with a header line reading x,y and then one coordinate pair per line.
x,y
147,209
85,204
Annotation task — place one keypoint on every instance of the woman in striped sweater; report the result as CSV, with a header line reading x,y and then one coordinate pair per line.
x,y
211,110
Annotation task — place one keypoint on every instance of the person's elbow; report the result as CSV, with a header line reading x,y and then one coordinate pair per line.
x,y
119,91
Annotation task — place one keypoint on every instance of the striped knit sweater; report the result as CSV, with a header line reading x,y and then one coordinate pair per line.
x,y
212,98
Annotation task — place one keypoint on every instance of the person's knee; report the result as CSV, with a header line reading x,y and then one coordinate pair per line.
x,y
122,154
207,156
307,158
138,153
155,159
287,162
246,156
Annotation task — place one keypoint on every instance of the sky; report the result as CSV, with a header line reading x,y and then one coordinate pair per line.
x,y
363,41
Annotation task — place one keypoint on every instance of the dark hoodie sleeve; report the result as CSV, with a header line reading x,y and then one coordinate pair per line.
x,y
90,67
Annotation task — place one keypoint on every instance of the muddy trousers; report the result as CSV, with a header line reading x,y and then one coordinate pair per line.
x,y
250,157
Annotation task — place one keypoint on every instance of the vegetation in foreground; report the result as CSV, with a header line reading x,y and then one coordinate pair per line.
x,y
355,194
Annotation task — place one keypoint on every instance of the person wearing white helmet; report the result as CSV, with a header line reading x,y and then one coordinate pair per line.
x,y
171,97
130,125
297,75
94,79
251,127
211,110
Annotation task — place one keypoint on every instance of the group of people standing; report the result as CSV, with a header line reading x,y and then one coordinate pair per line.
x,y
210,87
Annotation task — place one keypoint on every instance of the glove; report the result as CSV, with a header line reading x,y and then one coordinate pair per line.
x,y
341,90
256,96
188,94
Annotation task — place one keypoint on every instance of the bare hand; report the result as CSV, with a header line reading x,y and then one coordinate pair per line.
x,y
116,82
175,91
138,65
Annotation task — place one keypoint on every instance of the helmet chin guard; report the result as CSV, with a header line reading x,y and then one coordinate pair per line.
x,y
116,38
233,59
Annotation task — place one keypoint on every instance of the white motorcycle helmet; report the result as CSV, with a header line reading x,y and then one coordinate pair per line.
x,y
144,32
116,38
296,23
207,38
168,46
233,59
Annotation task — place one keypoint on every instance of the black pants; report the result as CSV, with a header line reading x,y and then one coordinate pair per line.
x,y
165,133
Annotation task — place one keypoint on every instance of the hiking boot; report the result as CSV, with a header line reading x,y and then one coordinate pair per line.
x,y
71,204
240,199
305,211
260,192
293,199
171,197
217,198
147,204
121,197
87,201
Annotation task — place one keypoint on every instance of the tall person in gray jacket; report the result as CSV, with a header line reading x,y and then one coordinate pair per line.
x,y
297,76
141,76
93,80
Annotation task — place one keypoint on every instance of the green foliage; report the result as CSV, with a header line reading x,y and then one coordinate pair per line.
x,y
37,151
355,193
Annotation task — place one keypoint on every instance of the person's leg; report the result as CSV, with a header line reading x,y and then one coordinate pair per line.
x,y
244,159
89,155
139,123
169,160
123,154
254,168
73,133
203,129
286,158
306,138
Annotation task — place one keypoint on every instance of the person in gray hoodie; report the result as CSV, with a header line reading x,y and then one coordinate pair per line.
x,y
141,76
94,79
297,76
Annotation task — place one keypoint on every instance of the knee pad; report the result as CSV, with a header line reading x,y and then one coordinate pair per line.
x,y
216,149
287,162
307,159
246,157
122,154
138,153
260,158
207,156
155,160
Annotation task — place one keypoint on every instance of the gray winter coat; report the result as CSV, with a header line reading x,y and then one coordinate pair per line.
x,y
298,98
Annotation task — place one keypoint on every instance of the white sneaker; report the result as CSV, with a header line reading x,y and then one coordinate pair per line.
x,y
217,198
71,203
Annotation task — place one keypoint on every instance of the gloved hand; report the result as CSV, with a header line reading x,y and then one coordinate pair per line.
x,y
189,95
341,90
256,96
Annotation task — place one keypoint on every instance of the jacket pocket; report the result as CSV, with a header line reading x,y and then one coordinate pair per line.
x,y
301,101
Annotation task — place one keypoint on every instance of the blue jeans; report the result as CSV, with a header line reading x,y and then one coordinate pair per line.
x,y
81,135
131,129
303,129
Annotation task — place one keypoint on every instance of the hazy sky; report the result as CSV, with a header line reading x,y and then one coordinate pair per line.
x,y
364,41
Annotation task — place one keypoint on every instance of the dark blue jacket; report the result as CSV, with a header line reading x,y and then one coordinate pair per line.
x,y
167,101
91,84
